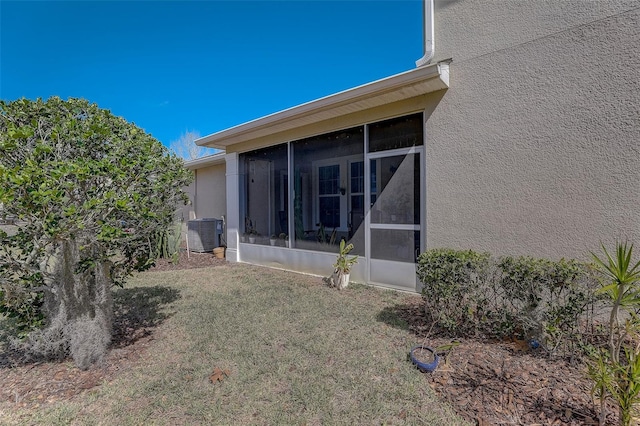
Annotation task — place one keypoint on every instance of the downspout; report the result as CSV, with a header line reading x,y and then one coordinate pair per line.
x,y
428,33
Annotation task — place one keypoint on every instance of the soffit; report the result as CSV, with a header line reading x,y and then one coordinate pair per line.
x,y
417,82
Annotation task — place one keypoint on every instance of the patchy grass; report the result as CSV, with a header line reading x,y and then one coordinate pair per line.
x,y
297,352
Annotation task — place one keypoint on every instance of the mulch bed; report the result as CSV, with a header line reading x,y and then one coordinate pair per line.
x,y
31,385
486,382
507,382
188,261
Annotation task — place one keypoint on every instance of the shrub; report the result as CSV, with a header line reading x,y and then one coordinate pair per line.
x,y
466,293
74,176
24,305
545,299
452,287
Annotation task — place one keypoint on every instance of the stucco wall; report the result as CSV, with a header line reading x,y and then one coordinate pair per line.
x,y
186,212
535,148
210,193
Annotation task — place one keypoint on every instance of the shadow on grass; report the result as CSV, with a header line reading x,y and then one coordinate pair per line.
x,y
137,310
409,317
392,315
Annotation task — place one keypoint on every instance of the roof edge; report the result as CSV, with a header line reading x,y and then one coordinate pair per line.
x,y
439,70
209,160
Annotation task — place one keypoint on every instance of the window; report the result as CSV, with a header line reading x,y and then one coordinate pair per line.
x,y
322,187
402,132
329,196
263,206
356,197
374,181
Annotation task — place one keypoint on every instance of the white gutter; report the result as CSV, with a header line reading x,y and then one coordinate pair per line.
x,y
428,29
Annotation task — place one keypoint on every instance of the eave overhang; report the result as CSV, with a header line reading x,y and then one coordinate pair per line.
x,y
409,84
209,160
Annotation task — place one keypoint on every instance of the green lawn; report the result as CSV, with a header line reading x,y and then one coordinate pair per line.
x,y
298,352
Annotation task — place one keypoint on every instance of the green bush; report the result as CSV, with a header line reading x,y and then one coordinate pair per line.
x,y
452,282
546,299
74,175
24,306
467,293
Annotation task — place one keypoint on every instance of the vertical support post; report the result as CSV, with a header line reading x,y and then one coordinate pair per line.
x,y
233,206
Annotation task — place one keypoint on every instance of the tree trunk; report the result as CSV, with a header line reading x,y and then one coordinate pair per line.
x,y
78,309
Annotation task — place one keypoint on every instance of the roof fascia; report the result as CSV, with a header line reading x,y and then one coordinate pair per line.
x,y
209,160
291,117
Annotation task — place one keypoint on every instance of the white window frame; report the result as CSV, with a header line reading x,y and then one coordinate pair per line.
x,y
344,163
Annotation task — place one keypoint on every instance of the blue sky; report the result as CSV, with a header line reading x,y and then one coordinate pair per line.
x,y
202,65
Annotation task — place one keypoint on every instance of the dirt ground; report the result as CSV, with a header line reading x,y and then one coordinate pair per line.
x,y
508,382
486,382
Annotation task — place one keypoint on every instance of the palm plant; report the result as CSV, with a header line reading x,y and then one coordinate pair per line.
x,y
612,376
343,261
622,290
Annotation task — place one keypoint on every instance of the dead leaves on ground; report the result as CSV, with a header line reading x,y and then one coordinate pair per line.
x,y
219,375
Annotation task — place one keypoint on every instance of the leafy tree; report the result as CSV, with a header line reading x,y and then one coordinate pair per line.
x,y
90,191
186,147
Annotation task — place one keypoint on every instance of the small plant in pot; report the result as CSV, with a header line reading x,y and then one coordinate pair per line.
x,y
284,238
342,267
273,239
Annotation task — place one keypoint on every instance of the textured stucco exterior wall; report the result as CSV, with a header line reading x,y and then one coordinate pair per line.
x,y
535,148
186,212
210,198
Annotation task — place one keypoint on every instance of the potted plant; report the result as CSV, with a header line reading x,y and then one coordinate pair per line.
x,y
218,252
273,239
284,238
243,237
342,267
249,230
